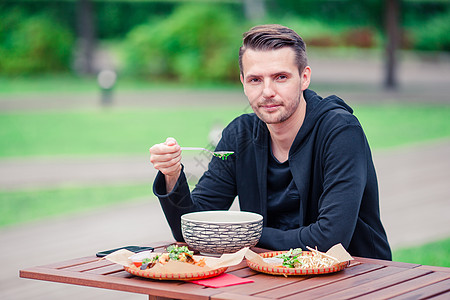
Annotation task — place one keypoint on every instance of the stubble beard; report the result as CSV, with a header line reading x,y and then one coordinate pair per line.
x,y
282,114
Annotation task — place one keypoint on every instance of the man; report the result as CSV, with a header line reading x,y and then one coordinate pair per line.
x,y
301,161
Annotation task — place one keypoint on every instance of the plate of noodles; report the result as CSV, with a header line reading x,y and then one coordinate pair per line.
x,y
297,262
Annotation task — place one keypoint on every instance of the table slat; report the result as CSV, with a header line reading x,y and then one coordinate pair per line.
x,y
328,288
386,262
318,281
262,282
133,284
243,273
71,262
121,274
242,265
87,266
407,286
378,284
435,268
436,289
443,296
231,296
106,270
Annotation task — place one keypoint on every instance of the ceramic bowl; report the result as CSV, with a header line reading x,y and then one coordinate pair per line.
x,y
217,232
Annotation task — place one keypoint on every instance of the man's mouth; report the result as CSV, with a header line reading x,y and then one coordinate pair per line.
x,y
269,106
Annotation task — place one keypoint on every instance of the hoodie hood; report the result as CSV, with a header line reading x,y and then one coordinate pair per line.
x,y
316,108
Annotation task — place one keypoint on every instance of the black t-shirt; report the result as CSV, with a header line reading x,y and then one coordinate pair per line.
x,y
283,201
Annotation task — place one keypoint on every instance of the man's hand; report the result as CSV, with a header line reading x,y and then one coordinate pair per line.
x,y
166,157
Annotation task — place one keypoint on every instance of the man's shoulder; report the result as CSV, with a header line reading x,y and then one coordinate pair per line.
x,y
334,111
340,116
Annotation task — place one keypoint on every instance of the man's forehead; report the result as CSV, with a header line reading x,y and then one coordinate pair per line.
x,y
283,50
268,58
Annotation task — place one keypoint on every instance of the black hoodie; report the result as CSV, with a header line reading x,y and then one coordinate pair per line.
x,y
331,164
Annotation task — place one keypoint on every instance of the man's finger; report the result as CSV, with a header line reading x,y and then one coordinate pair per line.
x,y
170,141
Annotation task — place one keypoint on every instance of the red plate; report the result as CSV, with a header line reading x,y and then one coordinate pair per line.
x,y
293,271
174,276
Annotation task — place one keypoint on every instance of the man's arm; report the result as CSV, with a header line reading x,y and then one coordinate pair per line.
x,y
166,157
215,190
174,203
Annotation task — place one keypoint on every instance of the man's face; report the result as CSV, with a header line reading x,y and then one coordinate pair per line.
x,y
272,83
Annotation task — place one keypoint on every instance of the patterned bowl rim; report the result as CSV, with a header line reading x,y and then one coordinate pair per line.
x,y
255,217
294,271
212,248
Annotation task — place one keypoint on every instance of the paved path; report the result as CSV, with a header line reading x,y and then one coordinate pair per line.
x,y
415,193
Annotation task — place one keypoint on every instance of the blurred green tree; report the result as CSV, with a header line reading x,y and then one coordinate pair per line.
x,y
196,43
434,35
33,45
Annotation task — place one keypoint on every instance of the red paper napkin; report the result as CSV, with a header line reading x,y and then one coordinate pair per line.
x,y
222,280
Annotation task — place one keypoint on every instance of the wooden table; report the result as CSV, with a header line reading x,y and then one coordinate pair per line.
x,y
364,278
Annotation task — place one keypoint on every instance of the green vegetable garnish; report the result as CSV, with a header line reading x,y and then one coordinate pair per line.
x,y
223,156
175,251
290,258
150,260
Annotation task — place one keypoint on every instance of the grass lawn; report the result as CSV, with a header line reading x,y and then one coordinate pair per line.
x,y
22,206
46,84
133,131
395,125
433,254
109,132
67,83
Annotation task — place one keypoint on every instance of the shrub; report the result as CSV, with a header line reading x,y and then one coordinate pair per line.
x,y
195,43
33,45
434,34
318,33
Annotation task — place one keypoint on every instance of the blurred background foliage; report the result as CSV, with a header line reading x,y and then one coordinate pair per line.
x,y
189,41
33,44
196,41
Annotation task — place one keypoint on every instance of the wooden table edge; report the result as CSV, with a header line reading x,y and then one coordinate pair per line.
x,y
155,288
56,272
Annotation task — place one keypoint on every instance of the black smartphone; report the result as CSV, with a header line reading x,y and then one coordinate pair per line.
x,y
134,249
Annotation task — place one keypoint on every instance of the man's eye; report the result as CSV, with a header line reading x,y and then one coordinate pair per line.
x,y
282,77
254,80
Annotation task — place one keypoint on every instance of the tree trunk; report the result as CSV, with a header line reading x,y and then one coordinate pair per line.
x,y
255,9
86,36
392,15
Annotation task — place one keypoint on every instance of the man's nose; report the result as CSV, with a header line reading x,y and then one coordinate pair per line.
x,y
269,89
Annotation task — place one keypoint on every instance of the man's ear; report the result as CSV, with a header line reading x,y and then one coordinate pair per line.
x,y
306,78
243,85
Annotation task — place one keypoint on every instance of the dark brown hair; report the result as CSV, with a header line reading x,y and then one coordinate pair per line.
x,y
272,37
